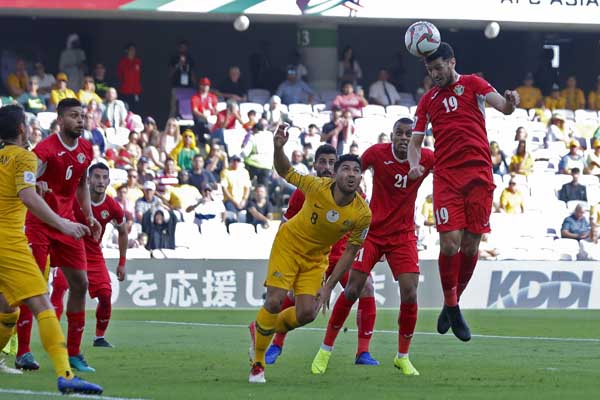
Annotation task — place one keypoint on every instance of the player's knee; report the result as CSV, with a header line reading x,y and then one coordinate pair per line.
x,y
104,297
272,304
409,295
368,290
305,316
10,317
449,246
352,293
470,249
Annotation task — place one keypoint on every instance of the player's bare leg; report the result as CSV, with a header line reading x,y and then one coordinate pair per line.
x,y
407,319
449,266
8,321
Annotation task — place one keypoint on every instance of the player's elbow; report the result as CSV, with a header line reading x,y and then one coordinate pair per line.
x,y
28,197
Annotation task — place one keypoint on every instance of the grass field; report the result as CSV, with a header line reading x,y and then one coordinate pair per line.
x,y
541,355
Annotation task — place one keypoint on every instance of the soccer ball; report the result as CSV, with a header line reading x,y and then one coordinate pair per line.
x,y
241,23
422,39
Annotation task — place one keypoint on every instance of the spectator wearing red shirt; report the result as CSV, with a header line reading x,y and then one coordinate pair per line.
x,y
128,73
227,118
204,105
348,100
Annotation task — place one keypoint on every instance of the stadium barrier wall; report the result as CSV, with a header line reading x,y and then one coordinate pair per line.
x,y
175,283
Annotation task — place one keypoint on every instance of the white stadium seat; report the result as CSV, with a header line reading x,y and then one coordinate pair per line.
x,y
397,111
46,118
300,109
373,110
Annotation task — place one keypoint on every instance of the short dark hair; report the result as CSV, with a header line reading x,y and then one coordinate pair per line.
x,y
65,104
344,83
575,171
347,158
251,112
445,52
198,156
98,165
404,120
11,117
325,149
313,126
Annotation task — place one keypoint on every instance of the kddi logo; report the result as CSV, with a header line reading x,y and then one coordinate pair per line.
x,y
532,289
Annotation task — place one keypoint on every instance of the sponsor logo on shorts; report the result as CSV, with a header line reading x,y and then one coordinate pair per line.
x,y
29,177
332,216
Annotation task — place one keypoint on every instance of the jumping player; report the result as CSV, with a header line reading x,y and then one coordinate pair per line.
x,y
392,233
463,186
325,158
299,254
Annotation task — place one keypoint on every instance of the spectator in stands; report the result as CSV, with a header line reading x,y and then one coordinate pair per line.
x,y
236,188
557,129
100,82
595,223
294,90
276,115
35,136
511,199
350,101
200,177
31,100
72,61
54,128
383,92
145,172
88,92
204,106
93,134
184,194
181,73
424,88
216,161
152,153
233,87
133,188
259,210
571,160
62,91
150,129
159,225
168,177
531,96
93,108
312,135
185,151
354,149
345,136
333,128
520,134
383,138
129,73
133,148
574,97
208,208
227,119
555,101
16,82
170,136
576,226
148,201
258,153
522,162
592,163
297,162
123,199
115,112
573,190
97,156
487,250
309,155
594,97
427,211
46,81
348,68
252,119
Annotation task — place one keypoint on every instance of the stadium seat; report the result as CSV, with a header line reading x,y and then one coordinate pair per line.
x,y
581,115
395,111
117,176
234,139
407,99
588,180
187,235
116,137
319,107
138,253
260,96
221,106
567,249
574,203
184,102
568,114
327,96
412,110
245,107
373,110
45,119
214,229
241,230
299,108
269,232
283,107
520,113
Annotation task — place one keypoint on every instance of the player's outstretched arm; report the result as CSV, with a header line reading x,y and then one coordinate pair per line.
x,y
505,104
280,161
343,265
40,209
414,156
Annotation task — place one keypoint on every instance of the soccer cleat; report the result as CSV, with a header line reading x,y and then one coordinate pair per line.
x,y
8,370
79,363
11,347
459,325
443,323
252,348
77,385
404,365
365,359
101,342
26,362
273,352
257,374
319,364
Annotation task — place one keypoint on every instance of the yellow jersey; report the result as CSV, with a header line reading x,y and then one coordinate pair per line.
x,y
555,104
321,222
530,96
595,214
17,171
57,95
511,202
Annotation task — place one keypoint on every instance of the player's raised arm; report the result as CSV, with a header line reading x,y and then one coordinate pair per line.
x,y
280,161
83,197
505,104
414,155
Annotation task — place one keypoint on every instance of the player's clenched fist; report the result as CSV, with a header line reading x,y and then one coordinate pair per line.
x,y
281,135
74,229
416,172
512,96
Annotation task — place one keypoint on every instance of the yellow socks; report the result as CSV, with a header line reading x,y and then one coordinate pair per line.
x,y
265,329
53,341
286,320
8,322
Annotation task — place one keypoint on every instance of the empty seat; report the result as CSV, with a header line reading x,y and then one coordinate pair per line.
x,y
299,108
238,229
46,118
117,176
187,235
397,110
260,96
234,139
373,110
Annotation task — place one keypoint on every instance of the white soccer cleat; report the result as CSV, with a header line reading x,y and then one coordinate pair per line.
x,y
8,370
257,374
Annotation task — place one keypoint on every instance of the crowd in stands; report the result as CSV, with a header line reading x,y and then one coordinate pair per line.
x,y
211,164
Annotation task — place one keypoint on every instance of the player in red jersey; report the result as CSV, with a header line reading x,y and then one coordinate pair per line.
x,y
325,158
63,160
106,210
463,185
392,233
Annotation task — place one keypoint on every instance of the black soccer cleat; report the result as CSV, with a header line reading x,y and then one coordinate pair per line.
x,y
458,324
443,322
101,342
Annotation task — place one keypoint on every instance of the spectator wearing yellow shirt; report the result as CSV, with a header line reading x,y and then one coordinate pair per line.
x,y
88,92
427,211
61,92
555,101
592,162
236,188
594,97
574,96
16,83
522,162
531,96
181,197
595,223
511,199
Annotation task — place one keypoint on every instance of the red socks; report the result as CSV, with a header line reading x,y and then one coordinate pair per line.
x,y
340,312
24,325
467,266
407,319
365,320
76,323
103,311
449,268
56,298
279,338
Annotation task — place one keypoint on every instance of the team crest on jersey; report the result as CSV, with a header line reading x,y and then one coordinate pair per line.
x,y
459,90
81,158
332,216
347,223
104,214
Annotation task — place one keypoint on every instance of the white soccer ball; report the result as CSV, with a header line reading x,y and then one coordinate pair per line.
x,y
492,30
241,23
422,39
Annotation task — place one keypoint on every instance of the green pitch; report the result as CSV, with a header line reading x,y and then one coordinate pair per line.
x,y
172,361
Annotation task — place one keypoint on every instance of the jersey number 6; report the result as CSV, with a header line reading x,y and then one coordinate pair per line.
x,y
69,173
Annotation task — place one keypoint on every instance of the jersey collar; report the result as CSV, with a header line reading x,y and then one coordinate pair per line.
x,y
395,156
100,202
65,145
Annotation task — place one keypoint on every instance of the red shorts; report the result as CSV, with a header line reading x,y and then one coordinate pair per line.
x,y
64,250
59,281
98,277
332,263
400,253
462,199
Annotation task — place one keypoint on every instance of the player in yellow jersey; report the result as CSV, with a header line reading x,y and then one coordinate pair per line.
x,y
21,280
299,256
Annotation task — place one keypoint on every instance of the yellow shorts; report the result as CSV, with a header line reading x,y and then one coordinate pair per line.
x,y
20,277
290,270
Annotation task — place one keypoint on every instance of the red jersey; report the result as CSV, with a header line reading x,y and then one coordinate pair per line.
x,y
128,72
205,103
62,167
108,210
394,194
457,116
